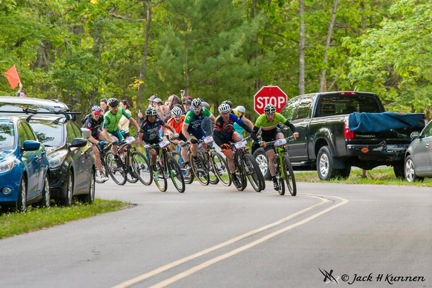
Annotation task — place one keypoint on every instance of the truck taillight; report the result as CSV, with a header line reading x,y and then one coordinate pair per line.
x,y
348,93
348,134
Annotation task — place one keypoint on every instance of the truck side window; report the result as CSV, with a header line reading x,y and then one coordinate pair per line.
x,y
288,111
303,109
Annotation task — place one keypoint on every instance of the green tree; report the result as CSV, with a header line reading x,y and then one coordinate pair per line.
x,y
394,60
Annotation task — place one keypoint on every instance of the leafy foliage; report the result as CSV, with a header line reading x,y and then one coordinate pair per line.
x,y
80,51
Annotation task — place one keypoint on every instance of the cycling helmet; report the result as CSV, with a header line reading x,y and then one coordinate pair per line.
x,y
113,102
176,111
269,109
151,111
224,108
228,102
96,109
196,103
241,109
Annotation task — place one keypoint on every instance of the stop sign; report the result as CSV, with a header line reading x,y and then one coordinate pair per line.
x,y
269,95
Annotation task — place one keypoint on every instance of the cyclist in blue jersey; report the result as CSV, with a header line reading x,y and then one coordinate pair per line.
x,y
224,134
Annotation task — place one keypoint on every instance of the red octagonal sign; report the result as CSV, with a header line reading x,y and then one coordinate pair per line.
x,y
269,95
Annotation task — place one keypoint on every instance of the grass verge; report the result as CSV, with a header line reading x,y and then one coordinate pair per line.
x,y
377,176
12,224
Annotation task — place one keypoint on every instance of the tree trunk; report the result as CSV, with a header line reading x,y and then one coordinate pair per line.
x,y
302,49
323,83
145,50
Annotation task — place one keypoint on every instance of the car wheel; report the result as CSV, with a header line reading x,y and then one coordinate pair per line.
x,y
409,170
324,164
262,160
21,205
67,200
89,197
46,195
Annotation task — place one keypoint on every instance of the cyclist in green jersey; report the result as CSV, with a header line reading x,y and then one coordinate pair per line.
x,y
268,123
111,131
192,128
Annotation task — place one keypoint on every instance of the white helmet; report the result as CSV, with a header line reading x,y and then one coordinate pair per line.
x,y
224,108
196,103
241,109
176,111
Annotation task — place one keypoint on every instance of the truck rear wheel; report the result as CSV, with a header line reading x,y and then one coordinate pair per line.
x,y
324,164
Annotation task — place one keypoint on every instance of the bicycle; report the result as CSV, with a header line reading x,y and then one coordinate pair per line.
x,y
284,170
167,166
219,168
200,168
246,167
131,167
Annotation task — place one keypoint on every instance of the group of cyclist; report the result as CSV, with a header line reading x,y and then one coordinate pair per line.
x,y
186,125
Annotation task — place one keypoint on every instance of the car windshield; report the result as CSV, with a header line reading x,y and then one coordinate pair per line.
x,y
49,133
7,136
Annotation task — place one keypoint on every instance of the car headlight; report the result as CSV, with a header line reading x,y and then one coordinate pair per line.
x,y
56,159
6,165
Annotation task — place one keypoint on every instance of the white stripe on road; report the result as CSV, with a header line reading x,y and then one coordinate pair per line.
x,y
229,242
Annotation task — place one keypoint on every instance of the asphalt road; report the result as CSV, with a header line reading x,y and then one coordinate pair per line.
x,y
215,236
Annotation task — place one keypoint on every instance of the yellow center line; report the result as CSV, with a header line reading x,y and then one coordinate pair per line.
x,y
175,278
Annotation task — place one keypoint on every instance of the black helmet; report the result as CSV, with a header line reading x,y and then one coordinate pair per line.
x,y
269,109
113,102
228,102
151,111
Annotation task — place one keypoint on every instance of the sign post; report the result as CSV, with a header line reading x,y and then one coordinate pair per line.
x,y
269,95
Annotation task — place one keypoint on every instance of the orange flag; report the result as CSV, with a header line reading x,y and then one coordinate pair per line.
x,y
12,77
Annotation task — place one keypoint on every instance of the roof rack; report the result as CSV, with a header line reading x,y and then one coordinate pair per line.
x,y
67,115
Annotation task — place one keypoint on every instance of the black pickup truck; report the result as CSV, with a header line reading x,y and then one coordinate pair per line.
x,y
335,135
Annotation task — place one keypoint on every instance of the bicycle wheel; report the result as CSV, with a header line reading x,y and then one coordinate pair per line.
x,y
251,170
188,175
280,179
141,167
221,168
241,176
104,172
200,172
115,168
131,176
213,179
176,174
289,176
160,180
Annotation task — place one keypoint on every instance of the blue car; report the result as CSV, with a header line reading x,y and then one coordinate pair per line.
x,y
24,169
70,156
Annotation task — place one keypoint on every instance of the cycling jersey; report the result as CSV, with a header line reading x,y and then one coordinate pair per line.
x,y
194,122
226,128
237,113
177,126
111,120
151,130
262,121
94,126
269,128
223,131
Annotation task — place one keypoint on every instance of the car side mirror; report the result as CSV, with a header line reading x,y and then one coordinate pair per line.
x,y
30,145
78,142
414,135
85,133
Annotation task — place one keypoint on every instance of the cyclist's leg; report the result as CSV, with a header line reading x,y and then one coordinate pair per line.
x,y
97,158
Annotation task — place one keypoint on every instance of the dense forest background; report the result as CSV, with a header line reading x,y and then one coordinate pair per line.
x,y
79,51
